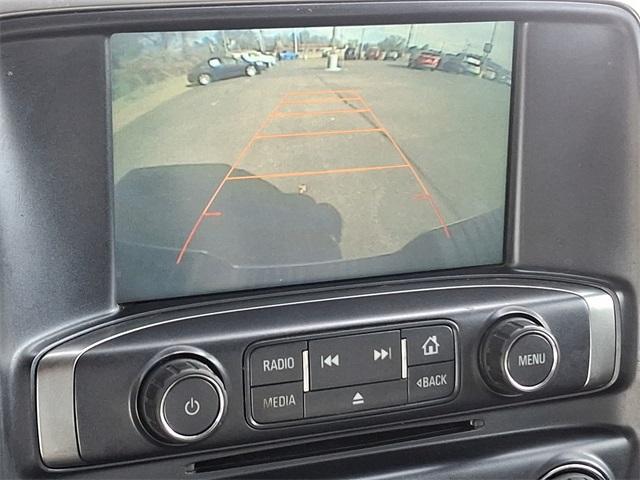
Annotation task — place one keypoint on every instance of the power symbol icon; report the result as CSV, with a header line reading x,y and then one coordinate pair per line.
x,y
192,407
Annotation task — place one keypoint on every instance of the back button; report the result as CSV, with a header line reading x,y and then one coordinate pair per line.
x,y
431,382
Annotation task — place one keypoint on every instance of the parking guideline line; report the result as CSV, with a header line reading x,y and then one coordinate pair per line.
x,y
319,172
319,92
243,153
316,133
321,100
320,112
422,185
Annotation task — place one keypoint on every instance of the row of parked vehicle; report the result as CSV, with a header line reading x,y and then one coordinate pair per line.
x,y
460,63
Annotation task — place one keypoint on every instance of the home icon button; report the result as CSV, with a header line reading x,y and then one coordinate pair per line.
x,y
429,344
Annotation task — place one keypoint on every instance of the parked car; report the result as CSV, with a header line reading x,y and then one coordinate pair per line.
x,y
259,58
373,53
426,60
392,55
472,64
489,73
351,54
287,55
217,68
460,63
451,63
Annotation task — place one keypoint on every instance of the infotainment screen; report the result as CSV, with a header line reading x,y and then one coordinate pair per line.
x,y
247,159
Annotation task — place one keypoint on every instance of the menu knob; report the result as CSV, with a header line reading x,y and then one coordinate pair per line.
x,y
518,355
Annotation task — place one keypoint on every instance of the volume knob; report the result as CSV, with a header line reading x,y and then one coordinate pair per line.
x,y
518,356
181,401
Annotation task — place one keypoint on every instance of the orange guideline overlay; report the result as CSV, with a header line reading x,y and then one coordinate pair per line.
x,y
308,98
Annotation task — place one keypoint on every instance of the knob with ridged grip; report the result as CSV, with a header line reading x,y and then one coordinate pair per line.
x,y
181,401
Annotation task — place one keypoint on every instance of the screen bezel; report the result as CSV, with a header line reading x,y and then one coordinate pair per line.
x,y
320,20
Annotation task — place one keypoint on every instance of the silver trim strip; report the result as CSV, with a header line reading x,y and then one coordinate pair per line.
x,y
305,371
602,338
405,367
55,409
56,370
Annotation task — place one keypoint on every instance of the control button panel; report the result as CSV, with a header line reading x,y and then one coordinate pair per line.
x,y
345,374
354,359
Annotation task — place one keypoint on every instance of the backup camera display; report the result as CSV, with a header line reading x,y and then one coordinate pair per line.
x,y
247,159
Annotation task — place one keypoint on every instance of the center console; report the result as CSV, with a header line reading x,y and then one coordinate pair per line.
x,y
228,375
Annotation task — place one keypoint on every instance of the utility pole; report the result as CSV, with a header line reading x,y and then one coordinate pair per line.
x,y
488,47
225,44
361,43
409,36
333,37
260,40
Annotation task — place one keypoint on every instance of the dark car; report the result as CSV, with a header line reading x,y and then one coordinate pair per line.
x,y
451,63
426,60
216,69
460,63
351,54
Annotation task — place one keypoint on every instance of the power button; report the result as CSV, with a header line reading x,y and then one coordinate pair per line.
x,y
191,406
181,401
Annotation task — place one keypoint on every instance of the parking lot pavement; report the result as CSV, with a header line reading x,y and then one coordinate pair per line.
x,y
331,136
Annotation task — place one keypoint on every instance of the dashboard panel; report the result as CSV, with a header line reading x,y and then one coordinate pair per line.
x,y
523,364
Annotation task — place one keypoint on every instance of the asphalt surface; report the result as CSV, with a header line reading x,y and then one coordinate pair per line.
x,y
402,132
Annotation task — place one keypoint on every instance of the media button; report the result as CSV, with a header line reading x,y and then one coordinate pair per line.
x,y
355,359
430,382
356,398
277,403
429,344
277,363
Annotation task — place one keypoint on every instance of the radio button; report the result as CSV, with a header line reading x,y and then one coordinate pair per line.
x,y
430,382
277,364
429,344
355,359
353,399
277,403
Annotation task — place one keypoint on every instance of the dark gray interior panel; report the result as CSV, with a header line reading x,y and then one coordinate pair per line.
x,y
573,219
